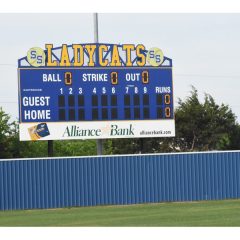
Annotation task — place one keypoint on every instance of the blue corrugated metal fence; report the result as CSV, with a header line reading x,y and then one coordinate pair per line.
x,y
90,181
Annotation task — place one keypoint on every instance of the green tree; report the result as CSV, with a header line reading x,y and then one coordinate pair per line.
x,y
199,127
13,148
234,139
126,146
25,149
75,148
5,134
203,126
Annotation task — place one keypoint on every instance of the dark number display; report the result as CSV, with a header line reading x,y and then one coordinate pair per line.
x,y
105,107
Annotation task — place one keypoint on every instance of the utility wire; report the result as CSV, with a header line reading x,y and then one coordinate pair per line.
x,y
180,75
207,76
7,102
7,64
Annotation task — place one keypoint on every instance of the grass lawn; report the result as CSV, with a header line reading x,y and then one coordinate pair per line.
x,y
205,213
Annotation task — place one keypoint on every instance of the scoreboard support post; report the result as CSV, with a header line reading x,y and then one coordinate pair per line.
x,y
95,18
99,146
50,148
141,146
142,149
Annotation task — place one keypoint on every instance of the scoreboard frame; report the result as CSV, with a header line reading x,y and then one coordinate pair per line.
x,y
126,126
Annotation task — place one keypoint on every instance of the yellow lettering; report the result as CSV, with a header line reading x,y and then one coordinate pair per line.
x,y
90,49
50,63
142,58
128,48
65,61
102,48
115,57
78,55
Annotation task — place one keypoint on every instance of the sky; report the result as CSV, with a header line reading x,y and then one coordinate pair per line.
x,y
204,47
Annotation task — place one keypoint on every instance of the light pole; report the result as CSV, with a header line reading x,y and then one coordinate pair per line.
x,y
95,19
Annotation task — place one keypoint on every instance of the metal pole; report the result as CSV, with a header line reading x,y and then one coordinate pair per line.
x,y
141,146
50,148
95,18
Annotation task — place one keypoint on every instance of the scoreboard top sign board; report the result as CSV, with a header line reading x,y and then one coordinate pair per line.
x,y
94,91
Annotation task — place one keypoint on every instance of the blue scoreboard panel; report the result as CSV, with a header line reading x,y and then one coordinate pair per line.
x,y
91,102
58,95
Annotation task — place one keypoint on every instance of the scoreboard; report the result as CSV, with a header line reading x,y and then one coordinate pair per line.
x,y
91,102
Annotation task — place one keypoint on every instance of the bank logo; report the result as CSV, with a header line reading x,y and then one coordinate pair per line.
x,y
36,57
38,131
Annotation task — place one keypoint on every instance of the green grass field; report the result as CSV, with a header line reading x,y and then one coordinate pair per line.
x,y
205,213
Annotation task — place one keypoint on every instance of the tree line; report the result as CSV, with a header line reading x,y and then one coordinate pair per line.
x,y
200,126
